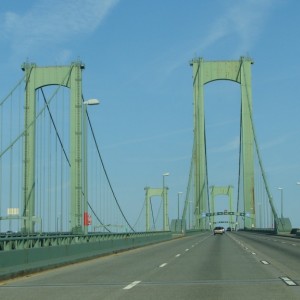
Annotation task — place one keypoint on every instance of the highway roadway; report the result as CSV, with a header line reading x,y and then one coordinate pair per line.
x,y
236,265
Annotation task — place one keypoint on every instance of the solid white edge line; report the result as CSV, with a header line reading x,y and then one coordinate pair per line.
x,y
163,265
131,285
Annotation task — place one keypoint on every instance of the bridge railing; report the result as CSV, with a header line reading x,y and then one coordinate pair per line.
x,y
20,242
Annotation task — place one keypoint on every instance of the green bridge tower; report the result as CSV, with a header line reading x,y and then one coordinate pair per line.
x,y
240,72
38,77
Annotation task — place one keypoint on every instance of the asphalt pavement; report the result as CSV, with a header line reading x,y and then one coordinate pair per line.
x,y
235,265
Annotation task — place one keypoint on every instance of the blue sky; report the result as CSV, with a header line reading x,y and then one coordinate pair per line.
x,y
137,55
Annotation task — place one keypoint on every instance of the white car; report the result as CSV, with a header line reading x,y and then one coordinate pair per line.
x,y
219,230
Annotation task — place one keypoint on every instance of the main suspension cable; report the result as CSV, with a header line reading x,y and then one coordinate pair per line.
x,y
105,172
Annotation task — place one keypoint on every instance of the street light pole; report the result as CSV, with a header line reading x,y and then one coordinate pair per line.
x,y
165,206
165,174
281,196
178,194
85,212
298,182
190,214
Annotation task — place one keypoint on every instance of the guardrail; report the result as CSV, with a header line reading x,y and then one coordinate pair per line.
x,y
26,254
295,232
21,242
261,230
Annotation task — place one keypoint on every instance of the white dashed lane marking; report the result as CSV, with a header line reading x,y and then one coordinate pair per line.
x,y
131,285
288,281
163,265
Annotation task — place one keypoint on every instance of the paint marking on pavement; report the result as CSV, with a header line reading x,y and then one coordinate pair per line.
x,y
288,281
187,250
264,262
163,265
253,253
131,285
177,255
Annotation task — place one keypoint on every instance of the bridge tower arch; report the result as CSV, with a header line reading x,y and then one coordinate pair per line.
x,y
38,77
220,191
240,72
163,193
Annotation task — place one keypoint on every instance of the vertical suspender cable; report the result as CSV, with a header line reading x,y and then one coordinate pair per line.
x,y
10,161
270,198
1,145
109,183
44,147
239,171
2,151
49,162
61,189
37,151
20,160
55,179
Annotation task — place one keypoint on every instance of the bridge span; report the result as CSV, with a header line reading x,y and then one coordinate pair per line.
x,y
235,265
53,180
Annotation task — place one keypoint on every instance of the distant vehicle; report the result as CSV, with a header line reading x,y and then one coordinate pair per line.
x,y
228,229
219,230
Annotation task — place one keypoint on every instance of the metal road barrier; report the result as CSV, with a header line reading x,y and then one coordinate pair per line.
x,y
21,255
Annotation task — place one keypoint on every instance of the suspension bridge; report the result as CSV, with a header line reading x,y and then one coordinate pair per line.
x,y
55,189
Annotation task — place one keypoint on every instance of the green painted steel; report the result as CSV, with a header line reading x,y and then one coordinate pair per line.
x,y
217,191
163,193
199,156
38,77
13,242
247,140
25,255
240,72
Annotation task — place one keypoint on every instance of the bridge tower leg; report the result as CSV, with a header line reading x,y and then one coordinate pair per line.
x,y
247,140
38,77
203,73
199,155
